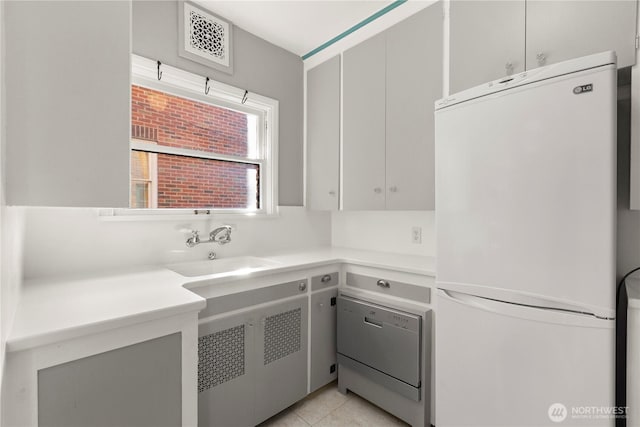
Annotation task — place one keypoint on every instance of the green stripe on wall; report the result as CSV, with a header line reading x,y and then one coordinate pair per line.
x,y
356,27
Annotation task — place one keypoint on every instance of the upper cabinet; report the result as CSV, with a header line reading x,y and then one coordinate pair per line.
x,y
561,30
323,135
414,83
486,41
363,147
67,85
390,83
492,39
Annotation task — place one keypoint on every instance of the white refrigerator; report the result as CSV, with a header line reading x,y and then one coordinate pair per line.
x,y
525,220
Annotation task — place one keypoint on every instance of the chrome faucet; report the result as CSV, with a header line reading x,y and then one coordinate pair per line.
x,y
221,236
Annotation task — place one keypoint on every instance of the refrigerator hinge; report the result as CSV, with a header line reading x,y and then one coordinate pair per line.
x,y
637,41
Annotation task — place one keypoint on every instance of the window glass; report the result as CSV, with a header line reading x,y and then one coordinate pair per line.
x,y
191,182
192,154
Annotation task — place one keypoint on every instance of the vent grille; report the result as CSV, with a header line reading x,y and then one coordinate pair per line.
x,y
206,35
282,335
144,132
220,357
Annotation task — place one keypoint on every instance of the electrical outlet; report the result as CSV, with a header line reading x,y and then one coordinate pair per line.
x,y
416,234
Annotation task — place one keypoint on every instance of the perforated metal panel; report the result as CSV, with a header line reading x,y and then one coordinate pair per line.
x,y
220,357
206,35
282,335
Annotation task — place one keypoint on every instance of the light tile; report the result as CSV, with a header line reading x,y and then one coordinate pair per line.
x,y
286,418
320,403
358,412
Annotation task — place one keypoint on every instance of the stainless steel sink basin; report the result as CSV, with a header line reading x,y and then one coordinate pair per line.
x,y
230,266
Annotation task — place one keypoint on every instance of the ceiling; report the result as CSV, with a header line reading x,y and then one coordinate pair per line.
x,y
298,26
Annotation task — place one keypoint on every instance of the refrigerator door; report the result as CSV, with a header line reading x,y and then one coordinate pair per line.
x,y
501,364
526,187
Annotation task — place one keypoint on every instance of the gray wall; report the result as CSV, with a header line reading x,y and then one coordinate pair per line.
x,y
628,255
259,67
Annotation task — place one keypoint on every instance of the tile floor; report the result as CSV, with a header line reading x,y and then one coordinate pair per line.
x,y
328,408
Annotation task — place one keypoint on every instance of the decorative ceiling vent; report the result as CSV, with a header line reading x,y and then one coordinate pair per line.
x,y
205,38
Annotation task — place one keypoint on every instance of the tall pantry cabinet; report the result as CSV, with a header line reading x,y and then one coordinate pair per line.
x,y
390,83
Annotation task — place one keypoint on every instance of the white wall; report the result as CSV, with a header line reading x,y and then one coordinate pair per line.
x,y
63,241
387,231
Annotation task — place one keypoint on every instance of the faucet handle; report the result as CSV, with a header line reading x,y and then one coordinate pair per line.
x,y
194,239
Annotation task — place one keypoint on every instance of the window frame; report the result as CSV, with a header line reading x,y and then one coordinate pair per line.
x,y
177,82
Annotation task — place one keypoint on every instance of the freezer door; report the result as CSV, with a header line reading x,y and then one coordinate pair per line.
x,y
526,187
500,364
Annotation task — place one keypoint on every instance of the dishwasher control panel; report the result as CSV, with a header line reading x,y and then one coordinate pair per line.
x,y
380,314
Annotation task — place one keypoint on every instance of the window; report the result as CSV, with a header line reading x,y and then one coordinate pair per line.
x,y
197,151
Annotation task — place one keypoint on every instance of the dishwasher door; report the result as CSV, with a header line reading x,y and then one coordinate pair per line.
x,y
382,338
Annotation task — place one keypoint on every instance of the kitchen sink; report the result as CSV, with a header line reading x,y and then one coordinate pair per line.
x,y
226,266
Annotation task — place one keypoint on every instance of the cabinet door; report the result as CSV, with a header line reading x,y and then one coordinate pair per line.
x,y
413,84
323,135
281,357
137,385
487,41
68,127
323,338
561,30
226,373
363,129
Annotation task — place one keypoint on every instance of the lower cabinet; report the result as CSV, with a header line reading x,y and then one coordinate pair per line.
x,y
323,338
281,365
137,385
252,364
226,372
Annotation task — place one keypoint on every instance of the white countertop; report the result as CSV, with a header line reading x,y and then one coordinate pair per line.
x,y
52,310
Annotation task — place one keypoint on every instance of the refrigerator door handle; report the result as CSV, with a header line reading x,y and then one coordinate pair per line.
x,y
536,314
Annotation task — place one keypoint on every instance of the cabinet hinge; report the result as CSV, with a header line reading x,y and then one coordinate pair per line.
x,y
333,300
637,41
332,368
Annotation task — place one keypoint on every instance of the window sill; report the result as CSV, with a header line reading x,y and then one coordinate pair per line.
x,y
122,214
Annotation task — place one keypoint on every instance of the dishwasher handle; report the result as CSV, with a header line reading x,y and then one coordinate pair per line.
x,y
370,321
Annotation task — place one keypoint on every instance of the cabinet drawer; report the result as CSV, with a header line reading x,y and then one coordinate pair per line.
x,y
324,281
225,303
389,287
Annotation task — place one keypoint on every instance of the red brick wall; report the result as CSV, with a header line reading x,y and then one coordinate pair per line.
x,y
179,122
189,182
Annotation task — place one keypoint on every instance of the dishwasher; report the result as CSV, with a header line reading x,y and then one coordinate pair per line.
x,y
380,357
